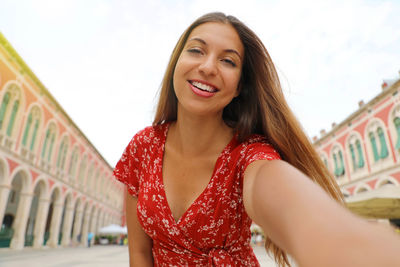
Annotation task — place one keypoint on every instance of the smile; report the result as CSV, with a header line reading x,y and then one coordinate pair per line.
x,y
204,87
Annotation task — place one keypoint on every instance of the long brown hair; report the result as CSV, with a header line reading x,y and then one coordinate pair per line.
x,y
260,108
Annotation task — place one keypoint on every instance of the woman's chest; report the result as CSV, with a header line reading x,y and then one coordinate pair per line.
x,y
185,180
203,210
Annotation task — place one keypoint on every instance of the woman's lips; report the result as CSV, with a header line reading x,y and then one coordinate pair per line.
x,y
202,89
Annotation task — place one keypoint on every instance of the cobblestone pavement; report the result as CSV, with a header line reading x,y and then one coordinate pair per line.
x,y
96,256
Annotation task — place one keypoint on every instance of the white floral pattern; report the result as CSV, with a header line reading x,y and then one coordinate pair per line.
x,y
215,230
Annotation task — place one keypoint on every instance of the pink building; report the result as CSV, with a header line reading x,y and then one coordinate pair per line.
x,y
55,187
363,153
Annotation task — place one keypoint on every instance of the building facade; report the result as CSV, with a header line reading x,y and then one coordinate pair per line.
x,y
363,153
55,187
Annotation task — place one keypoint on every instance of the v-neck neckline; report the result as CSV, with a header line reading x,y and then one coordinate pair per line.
x,y
161,176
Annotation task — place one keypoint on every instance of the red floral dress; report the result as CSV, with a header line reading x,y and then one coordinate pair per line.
x,y
215,230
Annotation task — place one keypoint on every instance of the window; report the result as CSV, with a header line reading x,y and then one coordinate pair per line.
x,y
397,126
82,170
338,162
353,157
90,177
62,152
9,108
384,151
3,108
360,162
30,132
73,162
356,153
49,142
12,118
374,147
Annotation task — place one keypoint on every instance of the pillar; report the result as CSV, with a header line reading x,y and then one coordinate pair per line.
x,y
19,224
55,225
40,224
4,192
66,231
77,225
85,227
93,227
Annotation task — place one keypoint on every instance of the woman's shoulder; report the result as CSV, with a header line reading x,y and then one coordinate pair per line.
x,y
256,143
149,133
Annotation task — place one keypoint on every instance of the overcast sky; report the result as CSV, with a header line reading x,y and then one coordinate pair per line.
x,y
104,60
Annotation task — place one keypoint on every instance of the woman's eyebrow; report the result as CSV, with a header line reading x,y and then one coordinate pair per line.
x,y
226,50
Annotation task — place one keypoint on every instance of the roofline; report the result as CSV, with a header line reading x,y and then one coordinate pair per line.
x,y
365,107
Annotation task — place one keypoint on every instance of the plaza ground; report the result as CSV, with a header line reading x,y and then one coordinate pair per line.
x,y
96,256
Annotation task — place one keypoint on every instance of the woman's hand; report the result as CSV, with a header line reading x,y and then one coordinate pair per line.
x,y
305,222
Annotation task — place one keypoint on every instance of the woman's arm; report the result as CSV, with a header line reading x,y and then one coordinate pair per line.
x,y
305,222
140,244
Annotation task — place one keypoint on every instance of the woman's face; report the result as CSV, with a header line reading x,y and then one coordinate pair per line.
x,y
208,70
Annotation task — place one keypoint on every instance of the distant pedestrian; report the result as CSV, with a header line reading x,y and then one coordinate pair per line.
x,y
90,237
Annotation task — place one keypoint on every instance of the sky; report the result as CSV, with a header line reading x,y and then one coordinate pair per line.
x,y
103,61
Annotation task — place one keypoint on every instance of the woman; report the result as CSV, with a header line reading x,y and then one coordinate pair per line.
x,y
225,150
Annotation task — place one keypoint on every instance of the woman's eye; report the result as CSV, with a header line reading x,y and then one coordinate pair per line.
x,y
194,50
230,62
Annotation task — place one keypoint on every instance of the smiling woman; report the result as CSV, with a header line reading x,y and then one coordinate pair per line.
x,y
225,150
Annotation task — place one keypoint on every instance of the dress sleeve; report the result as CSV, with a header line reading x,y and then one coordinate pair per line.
x,y
126,169
259,151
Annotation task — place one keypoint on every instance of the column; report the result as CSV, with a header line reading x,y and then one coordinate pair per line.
x,y
93,227
55,225
85,227
19,225
66,231
40,224
4,191
77,225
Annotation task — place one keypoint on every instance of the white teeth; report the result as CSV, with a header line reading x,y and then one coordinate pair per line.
x,y
204,87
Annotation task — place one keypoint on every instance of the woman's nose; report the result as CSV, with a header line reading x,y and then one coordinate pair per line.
x,y
209,66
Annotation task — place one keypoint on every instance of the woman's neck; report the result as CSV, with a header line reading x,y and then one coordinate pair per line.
x,y
195,136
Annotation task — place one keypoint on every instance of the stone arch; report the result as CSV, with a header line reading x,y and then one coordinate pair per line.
x,y
362,188
25,175
16,208
386,181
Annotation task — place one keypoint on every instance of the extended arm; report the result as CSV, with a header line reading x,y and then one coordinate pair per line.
x,y
140,244
313,228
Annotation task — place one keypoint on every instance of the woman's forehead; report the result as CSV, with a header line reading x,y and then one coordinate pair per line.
x,y
217,34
